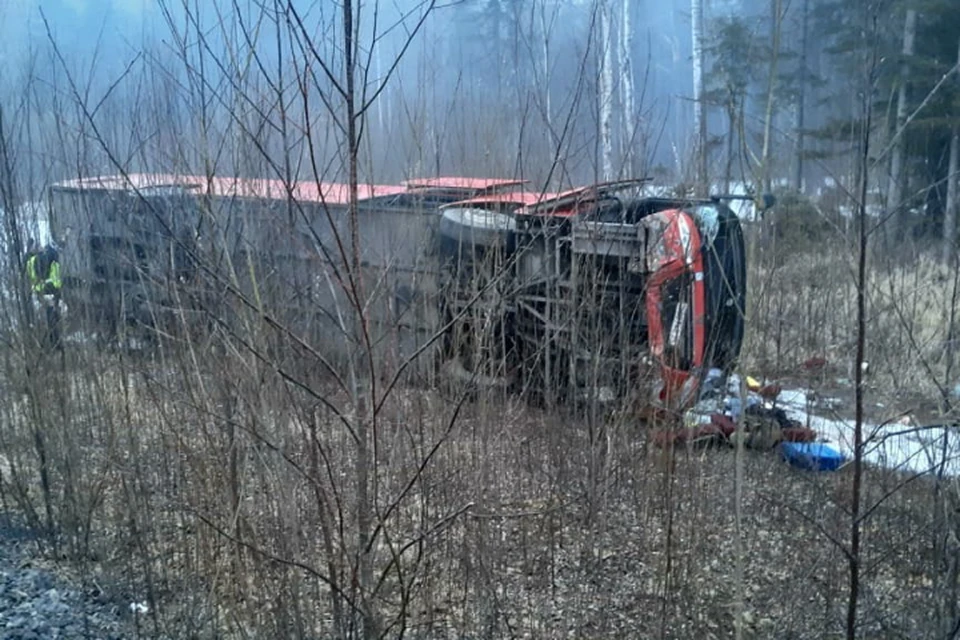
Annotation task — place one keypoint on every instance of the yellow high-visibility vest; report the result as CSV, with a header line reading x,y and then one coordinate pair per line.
x,y
39,285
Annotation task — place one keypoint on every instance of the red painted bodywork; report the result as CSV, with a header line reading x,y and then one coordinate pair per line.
x,y
683,256
331,193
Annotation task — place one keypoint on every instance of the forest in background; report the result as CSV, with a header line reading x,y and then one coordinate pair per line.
x,y
520,80
243,489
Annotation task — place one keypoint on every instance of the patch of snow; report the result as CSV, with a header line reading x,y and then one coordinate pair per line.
x,y
873,210
896,446
139,607
34,223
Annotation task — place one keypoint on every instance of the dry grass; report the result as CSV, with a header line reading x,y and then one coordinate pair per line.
x,y
496,537
204,481
805,307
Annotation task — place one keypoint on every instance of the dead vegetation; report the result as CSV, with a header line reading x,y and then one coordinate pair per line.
x,y
802,307
229,517
229,479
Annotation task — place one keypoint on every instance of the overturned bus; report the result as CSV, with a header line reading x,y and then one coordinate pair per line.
x,y
603,289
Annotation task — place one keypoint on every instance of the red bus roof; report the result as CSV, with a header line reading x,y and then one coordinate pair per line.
x,y
512,197
461,182
304,191
565,203
336,193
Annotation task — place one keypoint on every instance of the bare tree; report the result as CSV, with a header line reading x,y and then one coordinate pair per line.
x,y
699,108
628,115
605,96
952,203
895,185
285,462
855,553
802,96
776,29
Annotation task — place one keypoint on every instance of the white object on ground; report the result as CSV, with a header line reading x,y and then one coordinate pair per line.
x,y
893,446
139,607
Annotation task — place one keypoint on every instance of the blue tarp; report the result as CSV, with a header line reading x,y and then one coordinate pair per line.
x,y
815,456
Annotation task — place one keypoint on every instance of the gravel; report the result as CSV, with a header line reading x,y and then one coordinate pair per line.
x,y
38,604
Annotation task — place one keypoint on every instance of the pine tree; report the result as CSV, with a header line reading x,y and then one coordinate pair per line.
x,y
733,55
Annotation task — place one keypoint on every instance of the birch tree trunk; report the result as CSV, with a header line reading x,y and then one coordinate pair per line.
x,y
950,213
776,15
606,92
699,118
545,30
626,86
802,96
895,187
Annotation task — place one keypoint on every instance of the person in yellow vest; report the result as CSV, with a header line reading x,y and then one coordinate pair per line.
x,y
43,273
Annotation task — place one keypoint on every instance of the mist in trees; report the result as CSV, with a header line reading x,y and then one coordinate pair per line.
x,y
348,500
621,74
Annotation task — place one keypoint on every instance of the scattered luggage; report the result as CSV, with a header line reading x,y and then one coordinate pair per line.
x,y
722,416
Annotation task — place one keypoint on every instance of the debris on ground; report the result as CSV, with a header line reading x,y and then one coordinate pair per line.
x,y
764,416
814,365
907,447
813,456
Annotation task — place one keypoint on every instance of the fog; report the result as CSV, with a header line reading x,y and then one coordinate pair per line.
x,y
482,87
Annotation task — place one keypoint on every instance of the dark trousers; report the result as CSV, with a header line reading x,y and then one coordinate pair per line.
x,y
52,338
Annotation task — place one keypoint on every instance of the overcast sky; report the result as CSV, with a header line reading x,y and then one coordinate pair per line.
x,y
119,25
